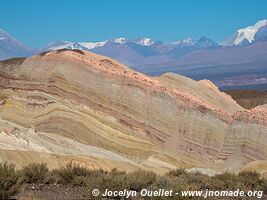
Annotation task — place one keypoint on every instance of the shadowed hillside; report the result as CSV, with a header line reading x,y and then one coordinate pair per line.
x,y
248,98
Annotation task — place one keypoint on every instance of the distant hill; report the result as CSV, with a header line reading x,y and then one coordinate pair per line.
x,y
248,98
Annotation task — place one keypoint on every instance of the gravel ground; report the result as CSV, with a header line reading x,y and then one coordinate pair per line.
x,y
51,192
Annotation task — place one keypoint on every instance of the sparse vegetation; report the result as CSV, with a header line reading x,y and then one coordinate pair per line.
x,y
34,173
70,174
73,175
78,51
62,50
75,50
141,179
8,181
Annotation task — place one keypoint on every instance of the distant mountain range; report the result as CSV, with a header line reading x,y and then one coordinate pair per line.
x,y
228,63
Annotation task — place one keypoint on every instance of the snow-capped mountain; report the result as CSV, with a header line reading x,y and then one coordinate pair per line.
x,y
11,47
60,44
187,41
249,34
205,42
92,45
120,40
144,41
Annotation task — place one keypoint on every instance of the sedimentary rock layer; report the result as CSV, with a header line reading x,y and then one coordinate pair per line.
x,y
86,106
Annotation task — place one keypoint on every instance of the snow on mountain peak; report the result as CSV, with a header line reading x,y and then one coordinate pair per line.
x,y
120,40
249,32
188,40
144,41
4,34
140,41
59,44
92,45
261,23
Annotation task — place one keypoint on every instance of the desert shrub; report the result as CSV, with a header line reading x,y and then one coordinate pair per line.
x,y
187,181
163,182
115,180
71,174
250,179
198,179
75,50
263,186
112,180
229,181
79,181
8,181
34,173
62,50
78,170
90,178
214,183
176,173
78,51
140,179
76,175
95,180
64,175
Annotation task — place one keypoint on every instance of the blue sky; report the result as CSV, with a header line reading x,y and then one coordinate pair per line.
x,y
37,22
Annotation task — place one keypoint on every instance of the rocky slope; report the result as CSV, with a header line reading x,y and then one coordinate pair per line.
x,y
76,105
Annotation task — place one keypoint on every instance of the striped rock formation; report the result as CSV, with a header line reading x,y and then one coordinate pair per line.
x,y
71,105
